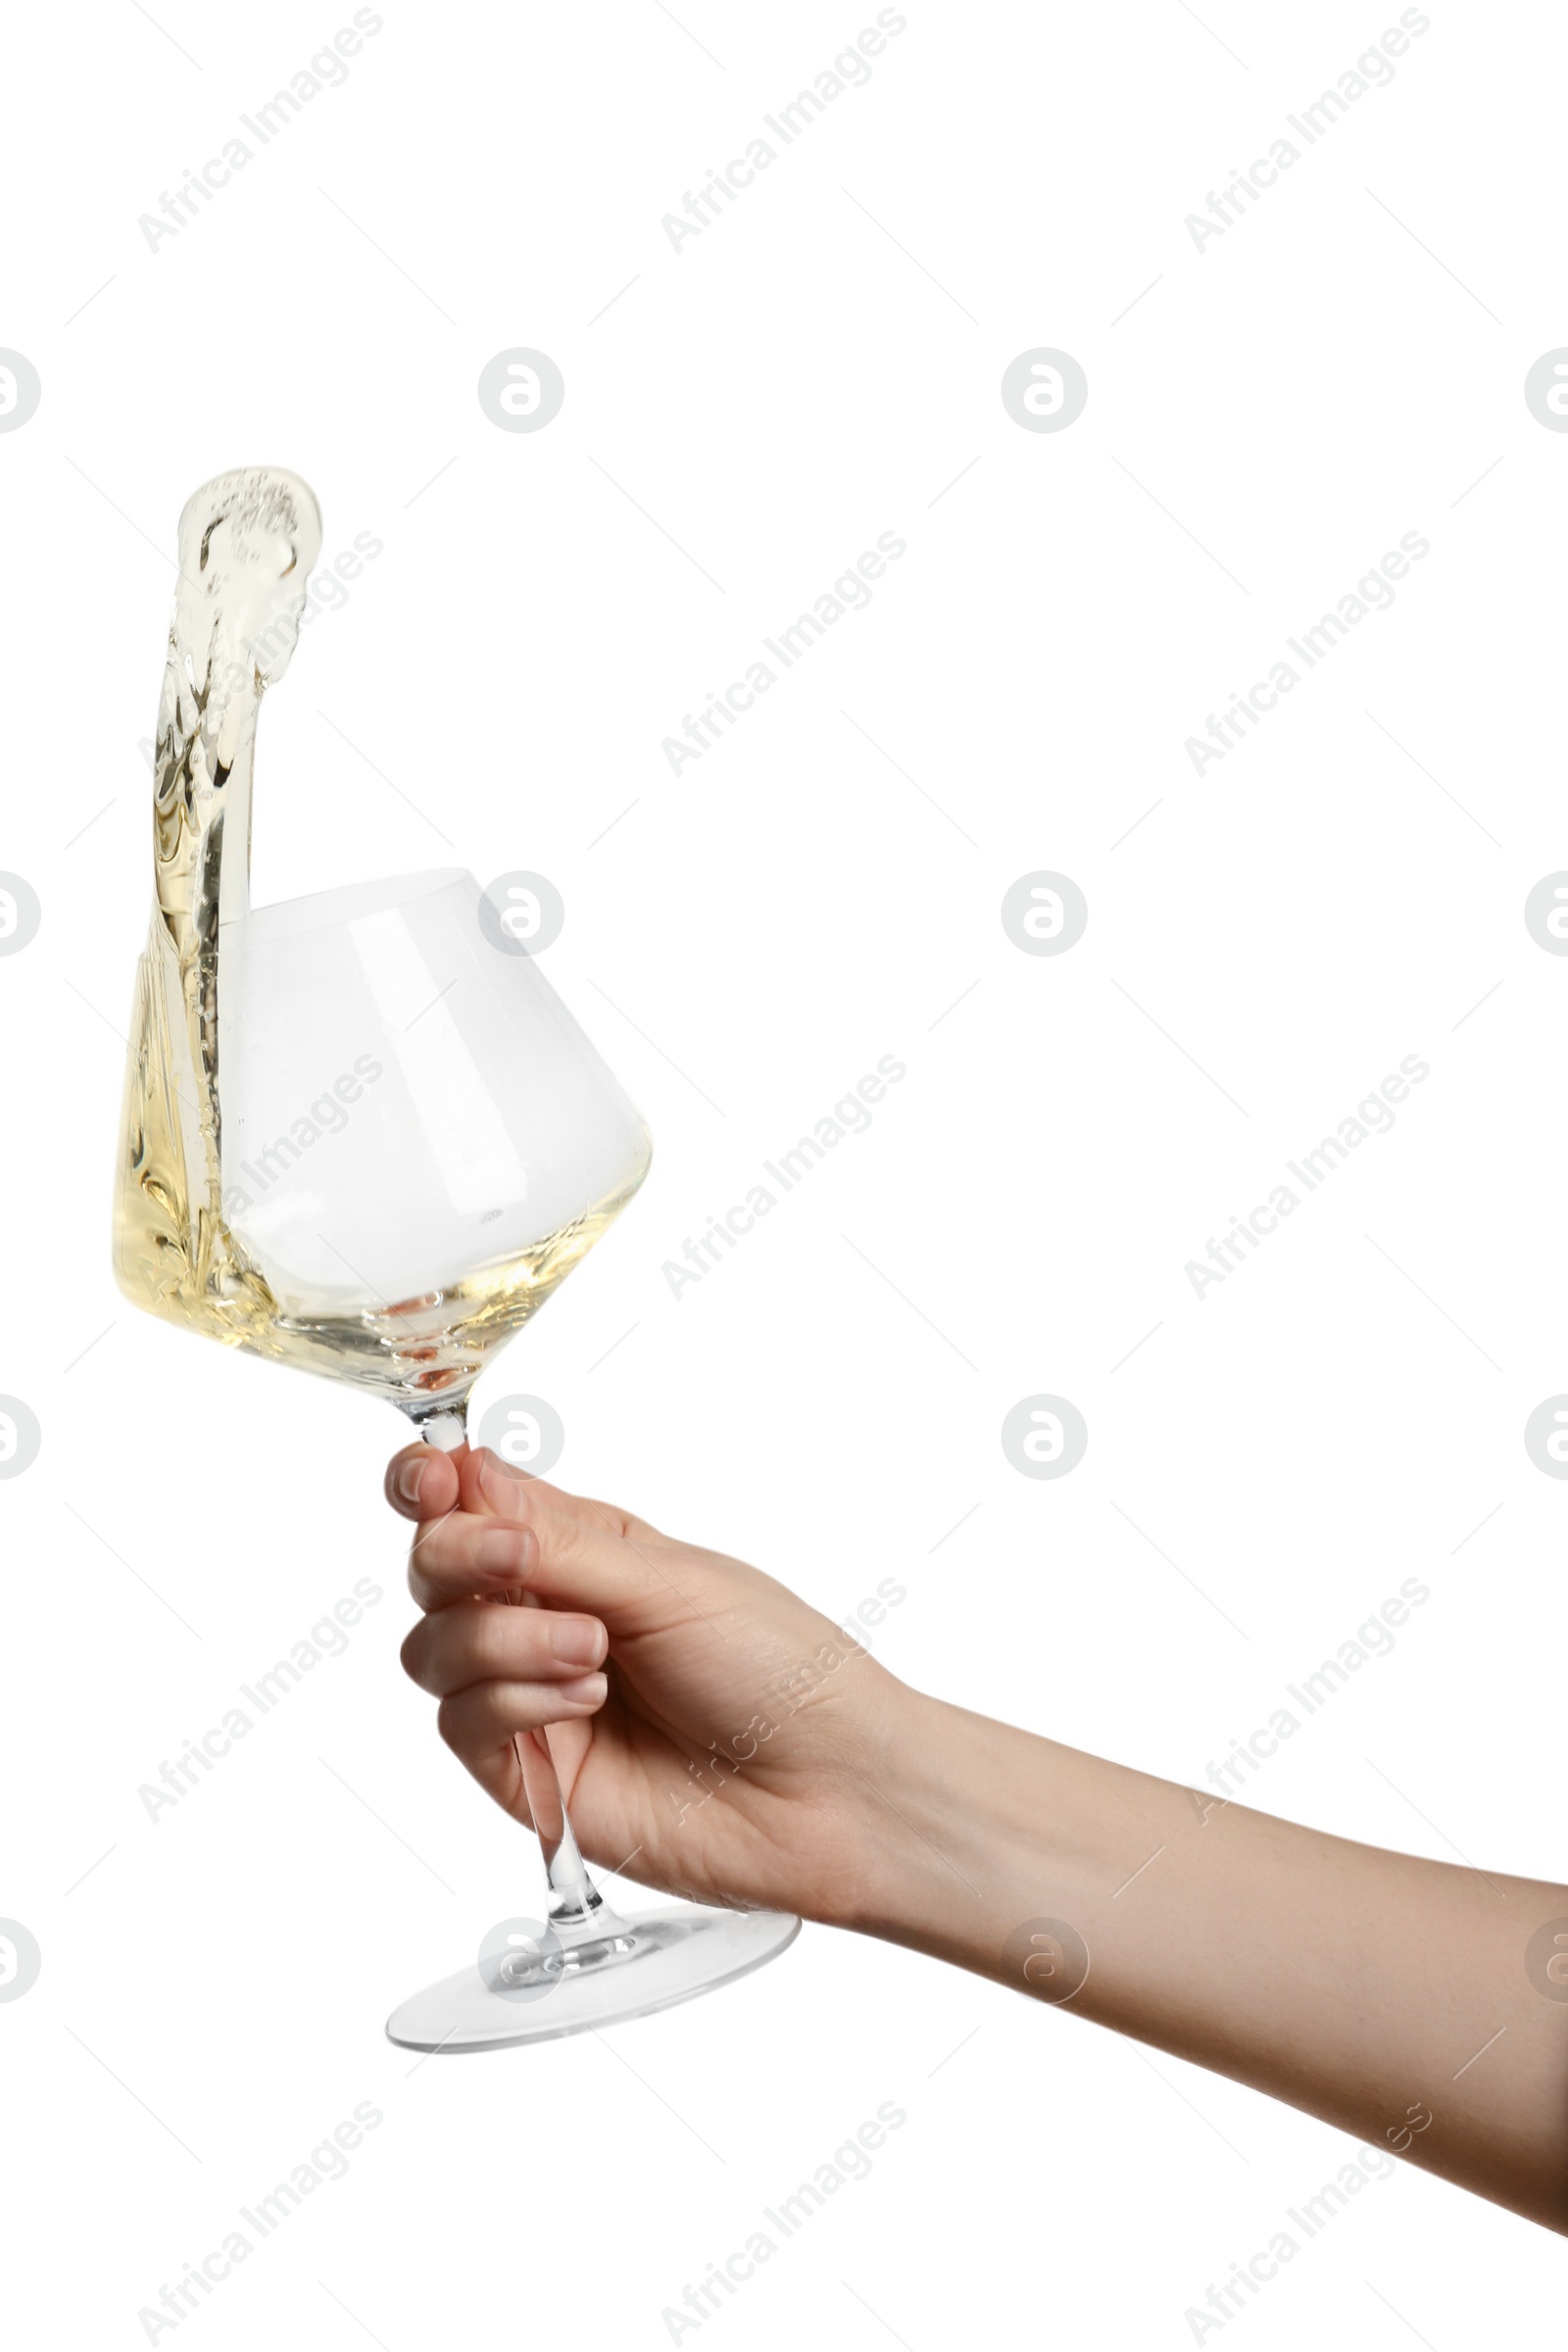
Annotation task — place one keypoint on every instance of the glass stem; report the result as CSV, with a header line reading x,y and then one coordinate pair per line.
x,y
444,1426
574,1899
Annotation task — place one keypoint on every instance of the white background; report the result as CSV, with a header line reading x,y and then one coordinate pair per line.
x,y
1342,366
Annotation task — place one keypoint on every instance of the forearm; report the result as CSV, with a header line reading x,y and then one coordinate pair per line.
x,y
1384,1993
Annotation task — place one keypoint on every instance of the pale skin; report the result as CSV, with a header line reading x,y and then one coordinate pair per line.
x,y
710,1726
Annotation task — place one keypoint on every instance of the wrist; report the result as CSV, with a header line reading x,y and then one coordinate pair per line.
x,y
951,1824
1004,1853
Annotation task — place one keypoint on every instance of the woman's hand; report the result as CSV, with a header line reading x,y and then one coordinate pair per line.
x,y
718,1738
714,1734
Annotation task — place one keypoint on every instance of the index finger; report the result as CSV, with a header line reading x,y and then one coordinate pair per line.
x,y
563,1553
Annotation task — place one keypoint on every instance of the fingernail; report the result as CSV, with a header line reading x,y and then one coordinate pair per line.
x,y
499,1550
406,1482
588,1690
577,1641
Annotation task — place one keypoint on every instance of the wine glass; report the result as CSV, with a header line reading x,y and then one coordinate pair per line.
x,y
482,1150
362,1136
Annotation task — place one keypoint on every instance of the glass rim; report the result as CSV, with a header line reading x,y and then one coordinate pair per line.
x,y
328,909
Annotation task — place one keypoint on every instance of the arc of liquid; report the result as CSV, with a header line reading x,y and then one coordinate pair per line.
x,y
247,542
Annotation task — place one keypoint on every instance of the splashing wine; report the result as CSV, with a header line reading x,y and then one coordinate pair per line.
x,y
255,1261
362,1136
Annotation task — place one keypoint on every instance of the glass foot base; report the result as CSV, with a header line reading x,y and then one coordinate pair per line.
x,y
538,1986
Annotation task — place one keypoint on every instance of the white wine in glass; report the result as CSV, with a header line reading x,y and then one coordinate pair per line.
x,y
362,1135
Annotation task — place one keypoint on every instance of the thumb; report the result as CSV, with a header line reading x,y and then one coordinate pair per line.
x,y
590,1558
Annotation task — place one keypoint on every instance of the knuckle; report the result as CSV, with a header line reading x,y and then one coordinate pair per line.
x,y
610,1514
525,1507
485,1636
430,1551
